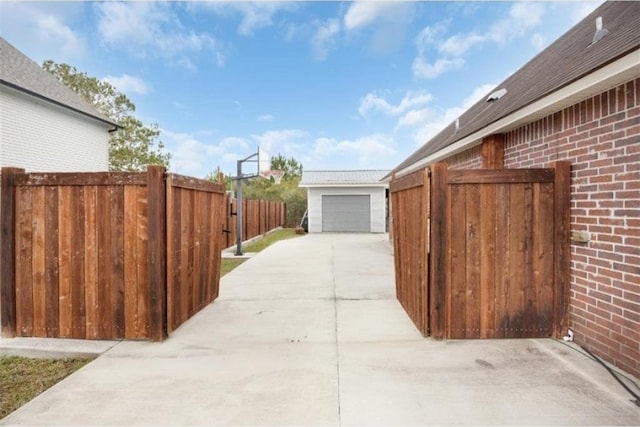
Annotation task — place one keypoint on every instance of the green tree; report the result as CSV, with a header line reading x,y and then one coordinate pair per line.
x,y
291,167
287,191
134,145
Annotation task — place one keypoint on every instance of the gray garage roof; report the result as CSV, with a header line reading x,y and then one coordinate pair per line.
x,y
342,178
19,72
568,59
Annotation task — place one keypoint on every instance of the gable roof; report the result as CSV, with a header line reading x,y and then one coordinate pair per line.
x,y
569,59
342,178
19,72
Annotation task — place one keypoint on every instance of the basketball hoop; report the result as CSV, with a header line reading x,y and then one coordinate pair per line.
x,y
276,175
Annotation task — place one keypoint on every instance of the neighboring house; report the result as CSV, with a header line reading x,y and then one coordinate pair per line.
x,y
45,126
346,201
579,101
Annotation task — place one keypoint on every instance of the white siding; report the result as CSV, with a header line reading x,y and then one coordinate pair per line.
x,y
314,204
42,137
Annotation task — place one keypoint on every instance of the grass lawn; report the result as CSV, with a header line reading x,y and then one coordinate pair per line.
x,y
229,264
22,378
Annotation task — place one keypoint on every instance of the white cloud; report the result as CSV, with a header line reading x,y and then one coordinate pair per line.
x,y
253,15
421,68
538,41
373,102
42,31
364,13
266,118
436,120
153,29
414,118
324,38
128,84
522,17
285,141
580,9
372,151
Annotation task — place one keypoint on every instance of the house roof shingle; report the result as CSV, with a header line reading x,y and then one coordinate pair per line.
x,y
21,73
566,60
342,177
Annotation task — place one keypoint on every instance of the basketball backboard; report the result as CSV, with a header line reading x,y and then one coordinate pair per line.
x,y
264,163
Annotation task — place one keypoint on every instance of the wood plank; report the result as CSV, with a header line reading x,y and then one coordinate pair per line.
x,y
191,183
439,259
157,263
529,292
543,268
176,270
8,222
562,245
493,151
65,248
424,217
142,289
117,261
502,259
473,252
78,318
496,176
488,243
103,220
458,298
414,179
171,262
24,238
209,214
38,263
197,284
51,261
131,262
515,307
81,179
185,276
91,262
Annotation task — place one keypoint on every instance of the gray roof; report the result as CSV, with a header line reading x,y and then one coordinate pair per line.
x,y
566,60
342,177
21,73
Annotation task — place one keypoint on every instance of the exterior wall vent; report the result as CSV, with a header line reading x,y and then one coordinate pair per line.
x,y
496,95
600,31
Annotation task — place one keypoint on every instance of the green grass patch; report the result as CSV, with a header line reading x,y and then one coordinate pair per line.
x,y
22,378
229,264
270,239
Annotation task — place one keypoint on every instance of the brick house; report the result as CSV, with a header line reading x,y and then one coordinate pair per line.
x,y
45,126
577,101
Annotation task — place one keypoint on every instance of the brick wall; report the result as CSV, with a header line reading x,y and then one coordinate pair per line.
x,y
600,136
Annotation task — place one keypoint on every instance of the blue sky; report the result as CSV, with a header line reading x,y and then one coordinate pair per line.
x,y
337,85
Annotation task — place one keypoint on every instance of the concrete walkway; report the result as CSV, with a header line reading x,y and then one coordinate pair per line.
x,y
308,332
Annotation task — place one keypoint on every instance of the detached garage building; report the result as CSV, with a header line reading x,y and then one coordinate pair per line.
x,y
351,201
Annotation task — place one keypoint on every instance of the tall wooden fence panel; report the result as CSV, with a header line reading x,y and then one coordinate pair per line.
x,y
410,205
84,255
195,211
483,253
258,218
499,235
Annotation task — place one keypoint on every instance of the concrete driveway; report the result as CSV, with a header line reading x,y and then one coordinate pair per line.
x,y
309,333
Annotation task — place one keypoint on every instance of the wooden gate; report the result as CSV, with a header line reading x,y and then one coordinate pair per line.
x,y
483,253
500,251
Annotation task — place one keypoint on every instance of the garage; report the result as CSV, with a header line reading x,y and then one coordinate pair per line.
x,y
346,201
346,213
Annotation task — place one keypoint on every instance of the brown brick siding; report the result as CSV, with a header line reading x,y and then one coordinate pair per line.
x,y
600,136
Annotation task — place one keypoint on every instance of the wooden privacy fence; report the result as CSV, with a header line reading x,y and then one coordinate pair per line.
x,y
107,255
258,217
483,253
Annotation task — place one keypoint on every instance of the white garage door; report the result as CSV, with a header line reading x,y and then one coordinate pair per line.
x,y
348,213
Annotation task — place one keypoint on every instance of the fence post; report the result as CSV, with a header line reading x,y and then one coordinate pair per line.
x,y
439,250
562,245
7,251
157,253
